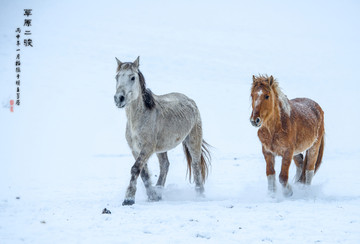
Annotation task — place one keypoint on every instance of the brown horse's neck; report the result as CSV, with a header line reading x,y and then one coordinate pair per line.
x,y
273,123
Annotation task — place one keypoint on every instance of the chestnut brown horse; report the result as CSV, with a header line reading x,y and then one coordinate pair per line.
x,y
287,128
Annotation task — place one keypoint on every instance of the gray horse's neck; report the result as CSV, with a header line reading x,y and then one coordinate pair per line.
x,y
135,107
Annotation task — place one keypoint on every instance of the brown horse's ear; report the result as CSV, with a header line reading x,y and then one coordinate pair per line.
x,y
253,78
271,80
136,62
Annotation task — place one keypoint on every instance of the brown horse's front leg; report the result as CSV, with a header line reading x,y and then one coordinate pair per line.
x,y
284,174
135,172
270,170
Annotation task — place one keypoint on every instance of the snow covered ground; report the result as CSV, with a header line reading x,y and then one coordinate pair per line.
x,y
63,154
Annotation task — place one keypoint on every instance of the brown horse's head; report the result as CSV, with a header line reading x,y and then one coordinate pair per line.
x,y
263,99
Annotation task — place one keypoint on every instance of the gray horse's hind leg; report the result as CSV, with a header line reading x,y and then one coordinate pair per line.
x,y
199,185
164,168
193,142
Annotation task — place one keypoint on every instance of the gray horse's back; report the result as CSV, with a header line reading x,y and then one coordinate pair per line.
x,y
175,98
177,115
177,105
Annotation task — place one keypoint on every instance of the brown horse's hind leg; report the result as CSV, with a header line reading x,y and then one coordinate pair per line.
x,y
299,161
164,168
312,155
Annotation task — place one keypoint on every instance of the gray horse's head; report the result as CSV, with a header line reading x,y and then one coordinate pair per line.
x,y
130,84
127,83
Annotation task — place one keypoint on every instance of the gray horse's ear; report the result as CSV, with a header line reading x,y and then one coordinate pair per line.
x,y
271,80
136,62
118,61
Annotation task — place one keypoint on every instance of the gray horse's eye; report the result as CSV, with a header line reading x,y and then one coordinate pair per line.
x,y
133,78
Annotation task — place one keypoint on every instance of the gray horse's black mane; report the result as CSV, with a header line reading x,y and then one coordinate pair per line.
x,y
147,95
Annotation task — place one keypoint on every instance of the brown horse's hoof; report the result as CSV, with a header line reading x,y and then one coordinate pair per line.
x,y
128,202
288,194
287,191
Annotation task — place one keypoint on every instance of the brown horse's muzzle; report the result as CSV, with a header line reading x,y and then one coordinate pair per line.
x,y
255,120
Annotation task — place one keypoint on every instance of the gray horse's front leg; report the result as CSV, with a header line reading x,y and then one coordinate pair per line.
x,y
153,195
135,172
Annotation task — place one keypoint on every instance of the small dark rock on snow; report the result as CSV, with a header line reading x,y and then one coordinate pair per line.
x,y
106,211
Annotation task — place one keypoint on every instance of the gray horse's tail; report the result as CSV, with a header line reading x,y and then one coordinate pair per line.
x,y
204,160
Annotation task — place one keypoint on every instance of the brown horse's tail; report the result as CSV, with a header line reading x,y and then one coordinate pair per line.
x,y
204,160
320,155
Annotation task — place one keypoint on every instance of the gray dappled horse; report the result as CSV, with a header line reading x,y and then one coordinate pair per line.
x,y
156,124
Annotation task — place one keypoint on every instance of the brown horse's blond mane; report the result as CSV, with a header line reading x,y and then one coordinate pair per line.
x,y
264,82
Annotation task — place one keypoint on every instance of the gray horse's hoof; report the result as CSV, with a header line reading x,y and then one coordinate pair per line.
x,y
200,190
128,202
154,196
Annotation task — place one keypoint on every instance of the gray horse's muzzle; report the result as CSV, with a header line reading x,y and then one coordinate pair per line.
x,y
119,100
